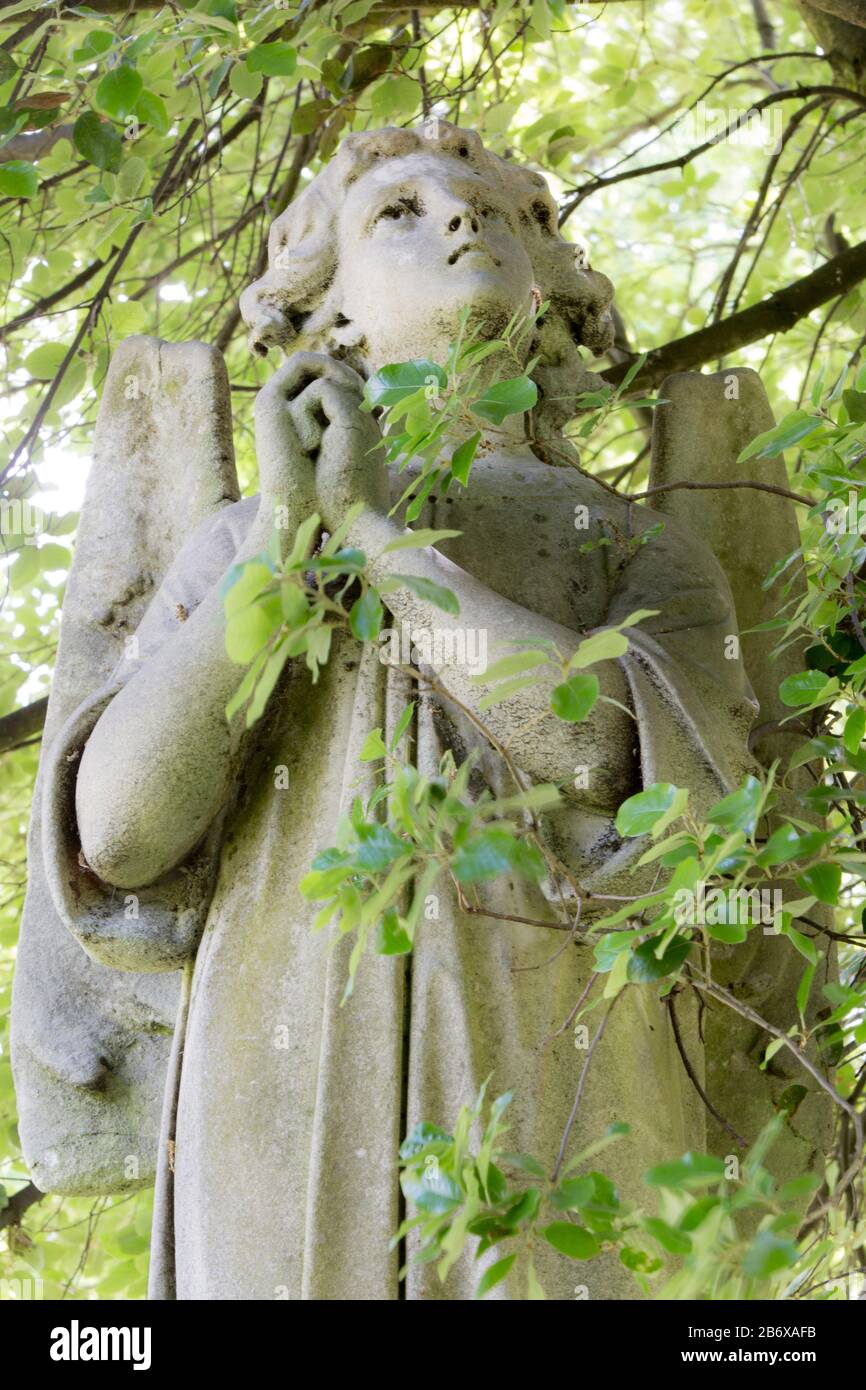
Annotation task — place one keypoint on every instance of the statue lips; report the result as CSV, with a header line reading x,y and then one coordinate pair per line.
x,y
473,248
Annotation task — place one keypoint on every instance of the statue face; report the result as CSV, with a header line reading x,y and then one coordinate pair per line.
x,y
420,237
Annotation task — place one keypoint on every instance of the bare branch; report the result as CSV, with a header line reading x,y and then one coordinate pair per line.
x,y
15,1208
776,314
21,725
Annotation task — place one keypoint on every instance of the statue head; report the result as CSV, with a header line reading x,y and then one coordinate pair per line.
x,y
403,229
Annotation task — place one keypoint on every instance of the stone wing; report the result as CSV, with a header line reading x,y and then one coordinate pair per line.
x,y
697,436
90,1045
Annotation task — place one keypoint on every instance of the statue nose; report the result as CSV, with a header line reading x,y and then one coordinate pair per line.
x,y
467,220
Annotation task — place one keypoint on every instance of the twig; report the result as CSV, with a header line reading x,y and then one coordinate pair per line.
x,y
560,1158
690,1072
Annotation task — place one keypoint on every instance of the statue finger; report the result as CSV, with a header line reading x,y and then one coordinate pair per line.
x,y
322,403
302,369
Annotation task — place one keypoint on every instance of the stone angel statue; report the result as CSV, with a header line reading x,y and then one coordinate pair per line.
x,y
172,1006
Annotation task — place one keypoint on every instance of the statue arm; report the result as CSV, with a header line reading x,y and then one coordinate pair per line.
x,y
159,763
543,746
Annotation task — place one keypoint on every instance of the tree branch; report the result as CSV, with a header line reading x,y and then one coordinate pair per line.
x,y
776,314
763,24
599,181
22,724
15,1208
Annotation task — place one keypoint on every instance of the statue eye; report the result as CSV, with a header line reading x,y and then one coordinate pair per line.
x,y
404,207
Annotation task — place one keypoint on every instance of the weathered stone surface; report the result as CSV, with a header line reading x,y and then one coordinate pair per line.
x,y
287,1111
697,438
90,1044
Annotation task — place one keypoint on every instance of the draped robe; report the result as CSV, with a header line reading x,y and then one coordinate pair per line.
x,y
278,1174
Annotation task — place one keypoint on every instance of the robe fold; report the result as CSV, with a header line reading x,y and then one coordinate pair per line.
x,y
285,1111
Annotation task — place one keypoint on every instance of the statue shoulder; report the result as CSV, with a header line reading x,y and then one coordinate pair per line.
x,y
214,543
198,567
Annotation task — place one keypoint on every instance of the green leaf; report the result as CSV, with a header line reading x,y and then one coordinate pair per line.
x,y
378,848
573,1194
44,362
697,1213
672,1240
602,646
768,1254
785,843
415,540
391,937
512,397
511,666
246,687
789,431
526,1163
796,1188
463,458
396,95
310,115
247,632
435,1195
855,727
421,1137
494,851
365,616
739,811
610,947
305,537
242,585
639,1260
638,616
373,747
54,557
504,692
402,725
692,1170
97,141
574,1241
494,1275
804,944
430,592
803,688
393,383
645,967
642,812
243,82
18,178
276,59
151,110
574,698
293,604
265,686
855,404
823,880
130,176
119,91
731,933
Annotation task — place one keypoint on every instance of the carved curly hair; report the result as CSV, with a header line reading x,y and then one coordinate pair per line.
x,y
299,294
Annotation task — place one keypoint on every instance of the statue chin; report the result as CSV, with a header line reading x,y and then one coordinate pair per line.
x,y
427,327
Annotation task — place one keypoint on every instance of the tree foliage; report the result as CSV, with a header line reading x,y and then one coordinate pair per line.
x,y
708,157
